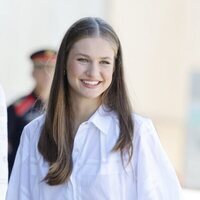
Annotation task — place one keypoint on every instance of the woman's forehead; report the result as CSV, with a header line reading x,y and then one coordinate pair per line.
x,y
96,43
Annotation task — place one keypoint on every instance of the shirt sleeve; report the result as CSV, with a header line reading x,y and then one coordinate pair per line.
x,y
156,178
18,187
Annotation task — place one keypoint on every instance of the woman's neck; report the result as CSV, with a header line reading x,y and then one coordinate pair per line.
x,y
83,110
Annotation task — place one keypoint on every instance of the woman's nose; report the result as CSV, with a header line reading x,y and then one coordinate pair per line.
x,y
92,70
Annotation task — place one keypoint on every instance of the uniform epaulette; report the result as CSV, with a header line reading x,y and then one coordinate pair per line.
x,y
24,104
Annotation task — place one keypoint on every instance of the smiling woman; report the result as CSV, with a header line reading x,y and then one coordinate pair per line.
x,y
90,67
89,145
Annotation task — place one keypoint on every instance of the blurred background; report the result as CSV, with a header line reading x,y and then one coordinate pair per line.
x,y
161,45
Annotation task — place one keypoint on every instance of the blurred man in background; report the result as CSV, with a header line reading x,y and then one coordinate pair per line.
x,y
28,107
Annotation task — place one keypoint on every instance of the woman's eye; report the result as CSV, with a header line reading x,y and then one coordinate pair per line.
x,y
84,60
105,62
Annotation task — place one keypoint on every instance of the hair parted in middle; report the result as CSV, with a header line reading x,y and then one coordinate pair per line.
x,y
57,138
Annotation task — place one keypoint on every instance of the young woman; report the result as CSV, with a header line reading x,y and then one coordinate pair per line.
x,y
89,145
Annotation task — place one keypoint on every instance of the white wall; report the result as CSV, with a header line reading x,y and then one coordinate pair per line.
x,y
154,40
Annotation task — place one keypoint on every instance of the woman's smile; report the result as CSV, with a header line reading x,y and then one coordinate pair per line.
x,y
90,83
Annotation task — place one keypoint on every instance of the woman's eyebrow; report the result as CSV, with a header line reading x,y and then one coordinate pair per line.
x,y
106,58
82,54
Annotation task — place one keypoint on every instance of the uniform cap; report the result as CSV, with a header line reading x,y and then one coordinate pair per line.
x,y
44,57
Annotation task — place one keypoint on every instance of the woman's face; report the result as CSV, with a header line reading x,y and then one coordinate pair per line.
x,y
90,67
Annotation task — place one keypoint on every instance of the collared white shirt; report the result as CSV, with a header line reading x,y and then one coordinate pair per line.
x,y
98,173
3,146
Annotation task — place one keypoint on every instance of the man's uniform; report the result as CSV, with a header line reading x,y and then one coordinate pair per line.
x,y
20,113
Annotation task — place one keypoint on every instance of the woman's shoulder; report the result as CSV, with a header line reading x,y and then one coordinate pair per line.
x,y
140,120
37,122
33,128
143,126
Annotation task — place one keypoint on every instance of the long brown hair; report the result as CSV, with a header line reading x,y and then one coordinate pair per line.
x,y
57,138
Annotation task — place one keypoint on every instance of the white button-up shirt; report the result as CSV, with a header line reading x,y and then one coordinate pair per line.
x,y
3,146
98,173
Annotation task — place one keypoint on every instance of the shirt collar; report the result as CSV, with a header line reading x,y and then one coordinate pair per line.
x,y
102,118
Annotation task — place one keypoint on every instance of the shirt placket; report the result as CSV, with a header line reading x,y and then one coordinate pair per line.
x,y
76,156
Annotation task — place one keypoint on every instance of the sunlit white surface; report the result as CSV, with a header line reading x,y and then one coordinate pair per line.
x,y
191,194
3,145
